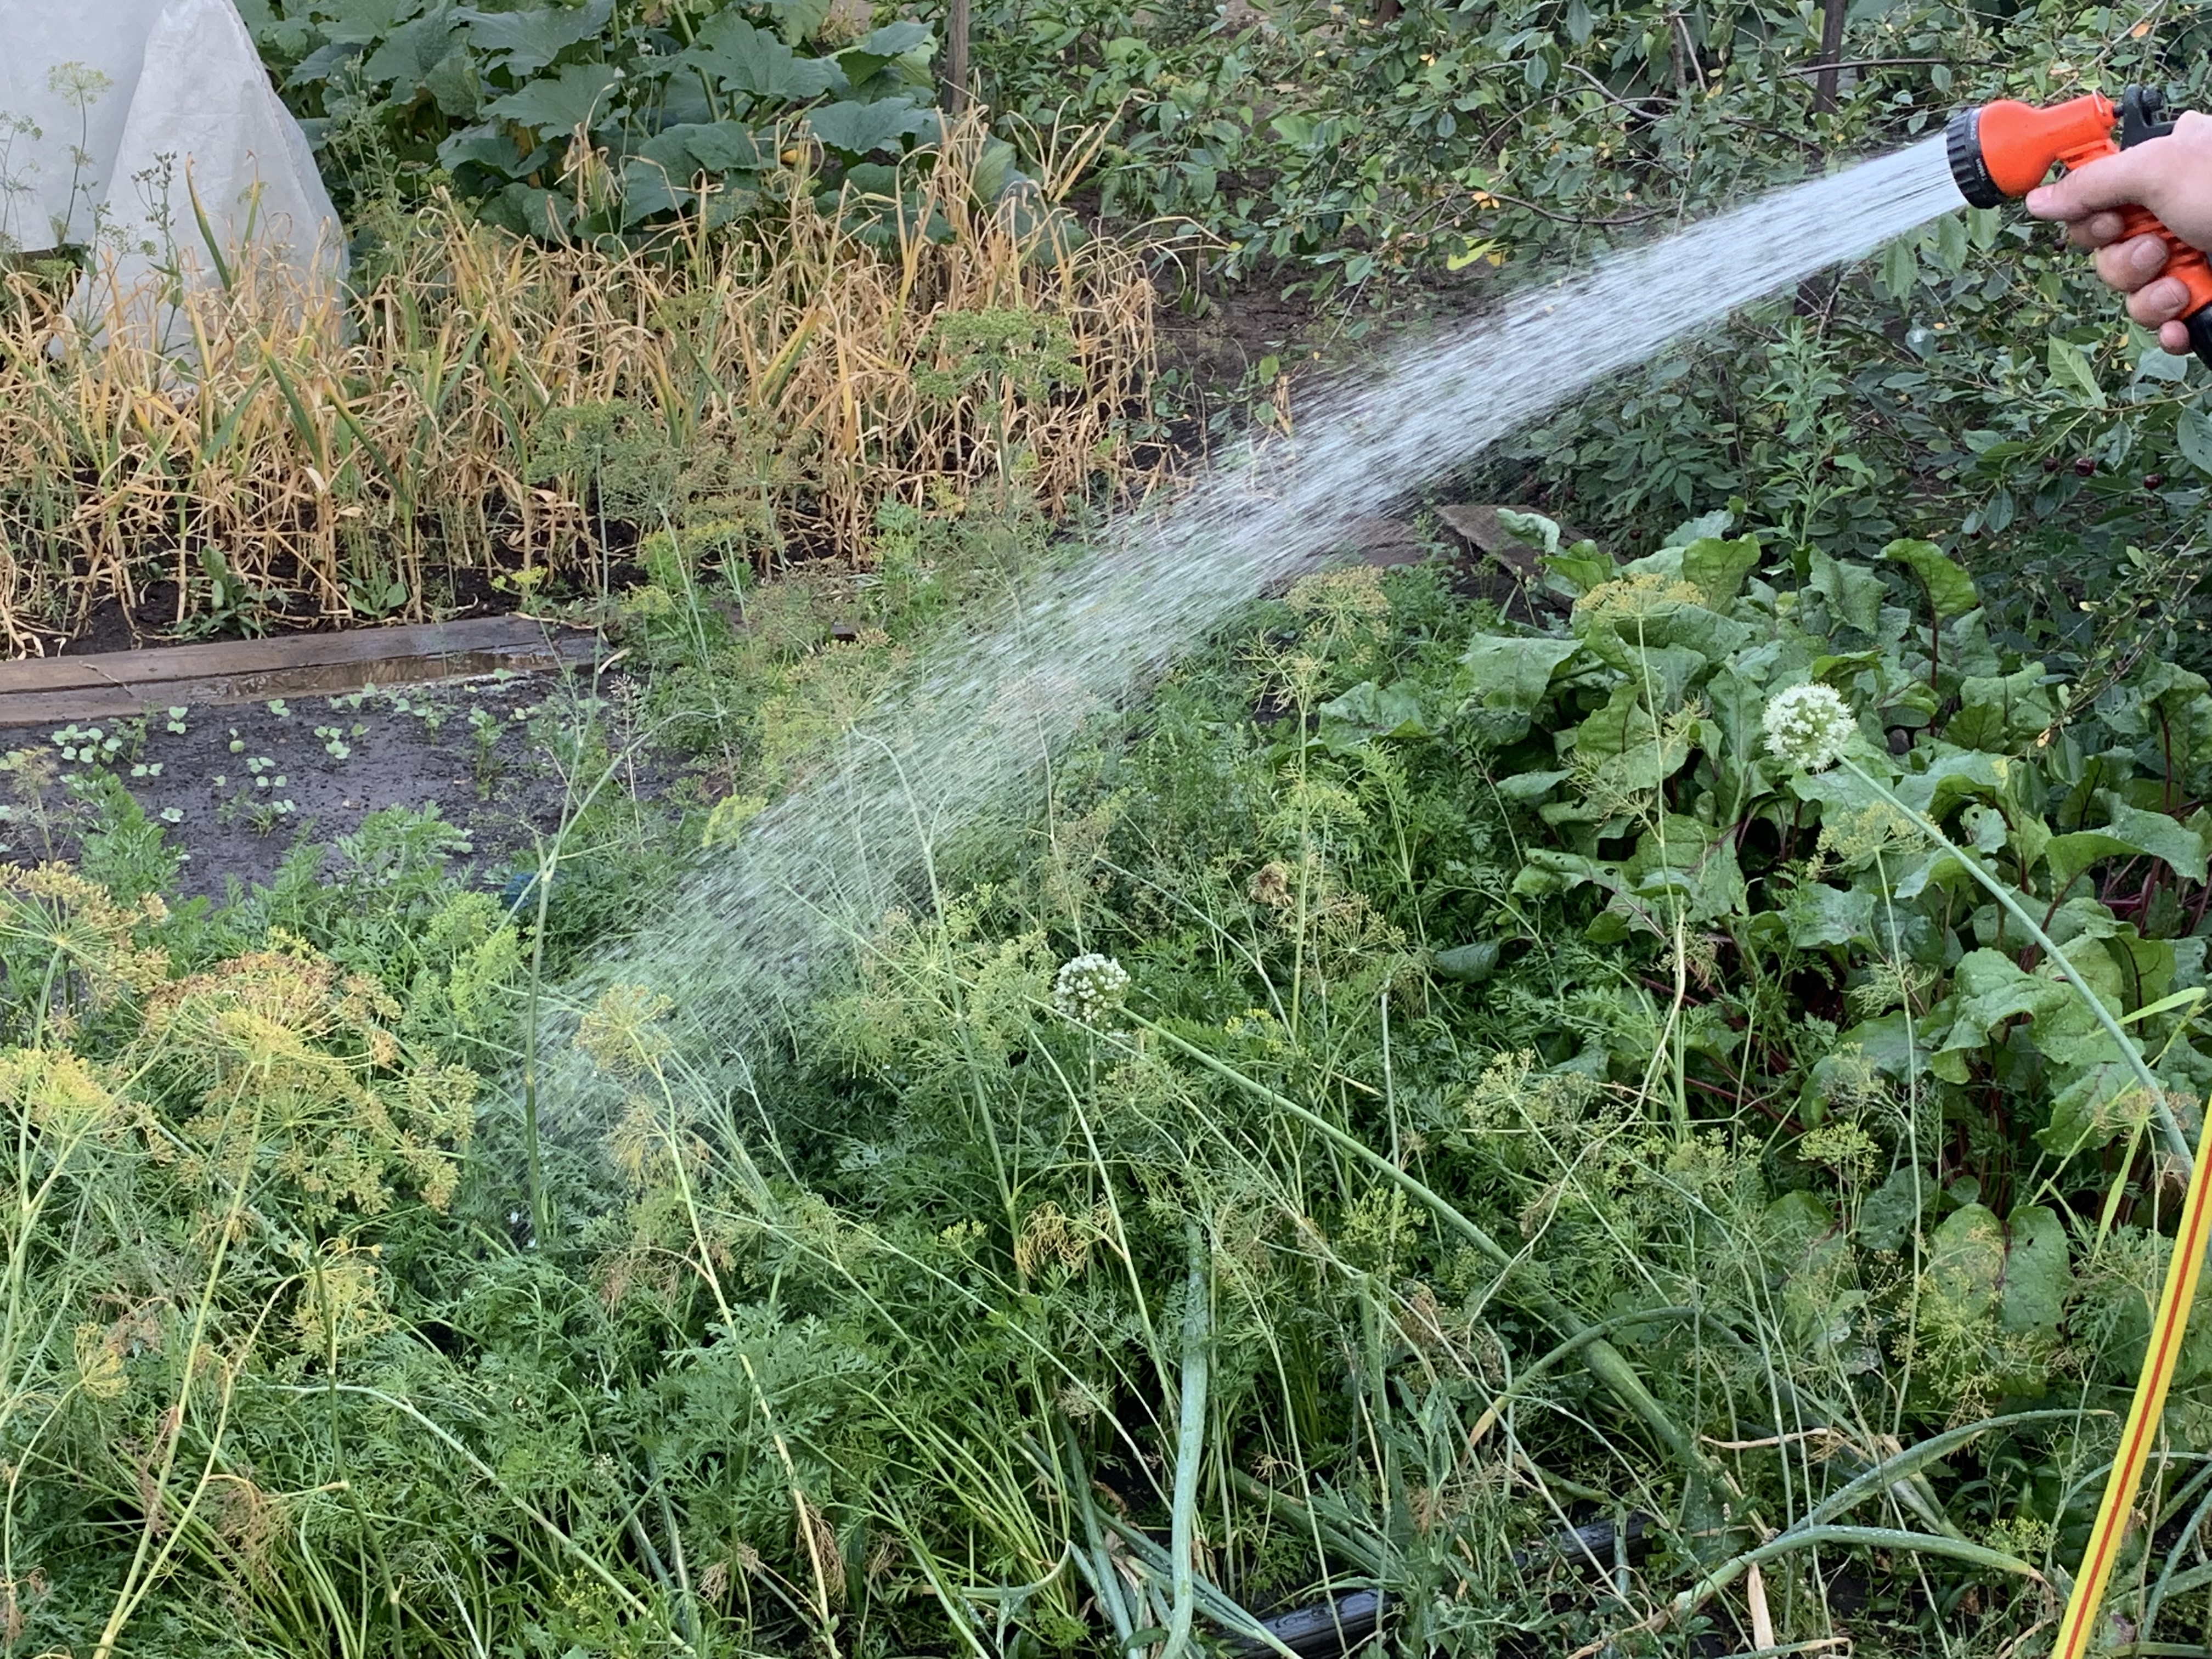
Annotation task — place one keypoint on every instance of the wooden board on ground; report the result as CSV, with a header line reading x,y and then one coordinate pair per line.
x,y
115,685
1480,528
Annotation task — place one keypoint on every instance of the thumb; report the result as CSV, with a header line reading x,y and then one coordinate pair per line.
x,y
2110,181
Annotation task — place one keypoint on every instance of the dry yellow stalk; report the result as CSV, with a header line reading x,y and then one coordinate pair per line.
x,y
333,459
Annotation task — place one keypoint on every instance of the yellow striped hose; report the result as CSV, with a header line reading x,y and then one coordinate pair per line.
x,y
2158,1359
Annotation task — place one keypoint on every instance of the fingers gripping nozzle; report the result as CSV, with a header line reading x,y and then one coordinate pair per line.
x,y
2002,151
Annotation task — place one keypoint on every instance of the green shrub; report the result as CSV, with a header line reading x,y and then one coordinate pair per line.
x,y
1974,384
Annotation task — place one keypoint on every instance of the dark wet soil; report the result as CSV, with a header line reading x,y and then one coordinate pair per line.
x,y
1221,339
1212,342
239,785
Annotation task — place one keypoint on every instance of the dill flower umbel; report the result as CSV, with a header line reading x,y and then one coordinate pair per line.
x,y
1808,727
1090,988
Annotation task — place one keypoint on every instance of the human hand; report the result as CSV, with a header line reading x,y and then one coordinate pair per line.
x,y
2173,178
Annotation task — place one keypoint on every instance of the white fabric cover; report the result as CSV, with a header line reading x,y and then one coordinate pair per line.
x,y
108,37
190,104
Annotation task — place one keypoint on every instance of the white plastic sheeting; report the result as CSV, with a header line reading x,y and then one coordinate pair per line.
x,y
126,124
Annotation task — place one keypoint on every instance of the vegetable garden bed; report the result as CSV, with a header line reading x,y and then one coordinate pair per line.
x,y
243,750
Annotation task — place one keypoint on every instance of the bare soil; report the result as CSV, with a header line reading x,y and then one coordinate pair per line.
x,y
241,784
1212,340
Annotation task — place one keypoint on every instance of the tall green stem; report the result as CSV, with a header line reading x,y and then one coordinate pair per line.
x,y
1190,1440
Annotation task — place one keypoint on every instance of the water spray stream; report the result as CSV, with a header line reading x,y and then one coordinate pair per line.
x,y
964,740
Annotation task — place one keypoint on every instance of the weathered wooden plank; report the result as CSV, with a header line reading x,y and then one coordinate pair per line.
x,y
118,684
1481,529
219,658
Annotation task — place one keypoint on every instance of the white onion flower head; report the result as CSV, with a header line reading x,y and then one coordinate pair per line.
x,y
1809,726
1090,988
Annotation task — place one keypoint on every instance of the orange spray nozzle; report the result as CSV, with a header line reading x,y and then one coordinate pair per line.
x,y
2005,149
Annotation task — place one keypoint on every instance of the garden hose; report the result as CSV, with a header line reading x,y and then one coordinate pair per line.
x,y
2004,150
2158,1359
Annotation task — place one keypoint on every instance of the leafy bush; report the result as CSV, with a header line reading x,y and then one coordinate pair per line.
x,y
1973,385
1431,135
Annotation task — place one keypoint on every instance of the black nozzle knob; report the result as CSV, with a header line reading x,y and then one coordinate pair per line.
x,y
2200,335
1962,141
2143,116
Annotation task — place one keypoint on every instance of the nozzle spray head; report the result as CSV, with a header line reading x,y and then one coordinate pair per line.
x,y
2006,148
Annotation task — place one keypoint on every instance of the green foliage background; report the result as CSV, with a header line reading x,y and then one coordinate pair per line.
x,y
1974,385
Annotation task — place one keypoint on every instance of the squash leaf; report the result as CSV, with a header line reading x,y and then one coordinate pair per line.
x,y
556,104
743,58
854,130
524,42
